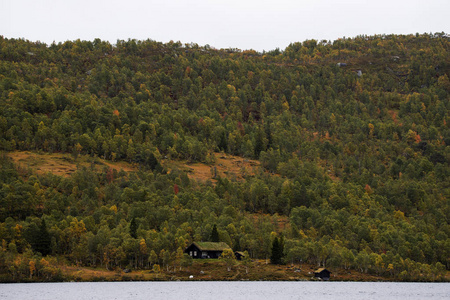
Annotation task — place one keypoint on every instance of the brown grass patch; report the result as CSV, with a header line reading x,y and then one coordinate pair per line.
x,y
228,166
62,164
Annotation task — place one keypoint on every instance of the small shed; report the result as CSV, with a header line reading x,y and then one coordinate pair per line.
x,y
206,249
239,255
359,73
341,64
322,273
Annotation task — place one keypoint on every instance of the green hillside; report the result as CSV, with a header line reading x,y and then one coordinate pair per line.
x,y
351,140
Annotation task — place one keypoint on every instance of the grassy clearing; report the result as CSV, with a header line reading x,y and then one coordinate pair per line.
x,y
62,164
225,166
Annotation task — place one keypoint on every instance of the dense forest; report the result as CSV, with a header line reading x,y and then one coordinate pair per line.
x,y
352,136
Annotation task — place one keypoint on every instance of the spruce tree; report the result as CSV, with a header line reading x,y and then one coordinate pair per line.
x,y
277,252
214,234
43,241
133,228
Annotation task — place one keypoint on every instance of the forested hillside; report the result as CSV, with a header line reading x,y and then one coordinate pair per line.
x,y
352,136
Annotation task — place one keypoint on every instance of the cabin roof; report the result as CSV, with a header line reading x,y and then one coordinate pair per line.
x,y
211,246
320,270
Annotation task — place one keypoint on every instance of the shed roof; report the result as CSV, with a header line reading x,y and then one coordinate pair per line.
x,y
320,270
212,246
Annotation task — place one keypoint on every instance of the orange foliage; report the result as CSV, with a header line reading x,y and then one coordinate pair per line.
x,y
394,117
116,112
368,189
417,139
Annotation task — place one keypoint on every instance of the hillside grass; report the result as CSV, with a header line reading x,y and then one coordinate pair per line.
x,y
64,164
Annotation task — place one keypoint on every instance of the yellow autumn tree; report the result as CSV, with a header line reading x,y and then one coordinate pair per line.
x,y
32,265
229,258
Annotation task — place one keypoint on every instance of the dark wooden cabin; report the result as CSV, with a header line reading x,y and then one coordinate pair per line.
x,y
239,255
322,273
206,249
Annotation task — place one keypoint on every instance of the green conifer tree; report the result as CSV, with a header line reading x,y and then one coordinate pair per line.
x,y
214,234
133,228
43,241
277,252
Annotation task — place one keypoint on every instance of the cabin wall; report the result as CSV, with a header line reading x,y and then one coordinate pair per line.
x,y
195,252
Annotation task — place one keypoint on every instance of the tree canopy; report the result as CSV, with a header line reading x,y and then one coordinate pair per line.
x,y
353,139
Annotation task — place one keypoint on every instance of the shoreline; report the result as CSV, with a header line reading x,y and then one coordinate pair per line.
x,y
215,271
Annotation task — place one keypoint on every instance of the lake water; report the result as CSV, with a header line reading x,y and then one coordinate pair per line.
x,y
225,290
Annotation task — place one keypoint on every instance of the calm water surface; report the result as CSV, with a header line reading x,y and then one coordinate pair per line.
x,y
226,290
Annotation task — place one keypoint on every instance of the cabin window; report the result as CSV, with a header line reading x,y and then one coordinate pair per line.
x,y
190,253
195,253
